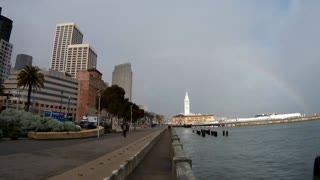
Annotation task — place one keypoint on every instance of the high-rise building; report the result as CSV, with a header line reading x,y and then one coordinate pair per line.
x,y
122,76
5,47
66,34
80,57
5,27
90,82
5,56
22,61
186,105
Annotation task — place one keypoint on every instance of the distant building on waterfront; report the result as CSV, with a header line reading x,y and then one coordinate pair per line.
x,y
66,34
60,94
188,118
22,61
5,47
90,82
196,119
122,76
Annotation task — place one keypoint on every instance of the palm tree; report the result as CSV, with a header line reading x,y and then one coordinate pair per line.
x,y
32,78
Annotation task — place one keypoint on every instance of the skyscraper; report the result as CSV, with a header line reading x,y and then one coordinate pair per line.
x,y
186,105
122,76
5,27
66,34
5,47
80,57
22,61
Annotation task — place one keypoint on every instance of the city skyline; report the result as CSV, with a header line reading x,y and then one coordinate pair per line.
x,y
237,59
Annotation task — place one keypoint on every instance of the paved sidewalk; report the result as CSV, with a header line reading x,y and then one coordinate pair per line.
x,y
157,164
47,162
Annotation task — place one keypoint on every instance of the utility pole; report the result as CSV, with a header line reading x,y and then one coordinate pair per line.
x,y
98,112
61,102
131,117
68,108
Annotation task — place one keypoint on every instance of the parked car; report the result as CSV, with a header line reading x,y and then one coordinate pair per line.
x,y
83,123
91,125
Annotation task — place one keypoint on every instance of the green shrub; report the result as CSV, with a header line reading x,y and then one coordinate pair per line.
x,y
69,126
53,125
15,123
9,121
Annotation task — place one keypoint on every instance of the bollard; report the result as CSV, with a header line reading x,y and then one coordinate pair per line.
x,y
223,132
227,134
215,133
316,168
203,134
192,130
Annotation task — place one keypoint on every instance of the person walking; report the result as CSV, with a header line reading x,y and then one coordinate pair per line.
x,y
125,128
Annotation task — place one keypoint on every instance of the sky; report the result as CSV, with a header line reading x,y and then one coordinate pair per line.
x,y
236,58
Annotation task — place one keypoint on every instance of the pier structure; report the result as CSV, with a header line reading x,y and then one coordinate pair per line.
x,y
252,123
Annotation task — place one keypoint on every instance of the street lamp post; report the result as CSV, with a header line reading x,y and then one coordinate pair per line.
x,y
7,102
33,104
98,112
68,108
61,102
18,104
131,117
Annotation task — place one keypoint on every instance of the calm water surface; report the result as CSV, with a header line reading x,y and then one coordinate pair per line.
x,y
283,151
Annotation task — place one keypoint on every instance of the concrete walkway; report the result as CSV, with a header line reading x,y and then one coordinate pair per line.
x,y
43,163
157,165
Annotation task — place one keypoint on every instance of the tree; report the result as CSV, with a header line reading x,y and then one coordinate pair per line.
x,y
137,113
32,78
112,100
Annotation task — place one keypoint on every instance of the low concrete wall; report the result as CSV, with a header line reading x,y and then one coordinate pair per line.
x,y
116,165
126,169
182,166
66,135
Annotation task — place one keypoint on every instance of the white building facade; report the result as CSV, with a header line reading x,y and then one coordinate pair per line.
x,y
5,57
65,35
122,76
80,57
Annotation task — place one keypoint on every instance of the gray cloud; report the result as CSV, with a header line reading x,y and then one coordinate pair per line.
x,y
235,58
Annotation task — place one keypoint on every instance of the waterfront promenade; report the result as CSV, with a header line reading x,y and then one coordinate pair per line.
x,y
32,159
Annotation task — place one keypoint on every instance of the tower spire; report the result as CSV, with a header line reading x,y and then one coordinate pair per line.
x,y
186,104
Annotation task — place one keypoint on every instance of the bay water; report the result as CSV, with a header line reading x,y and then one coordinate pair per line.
x,y
281,151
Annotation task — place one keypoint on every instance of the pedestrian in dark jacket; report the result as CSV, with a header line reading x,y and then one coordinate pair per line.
x,y
125,128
